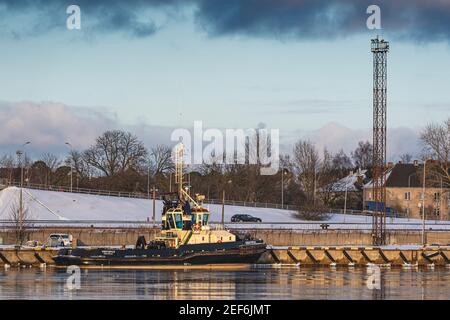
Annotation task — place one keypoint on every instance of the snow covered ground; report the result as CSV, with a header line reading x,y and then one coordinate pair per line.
x,y
67,208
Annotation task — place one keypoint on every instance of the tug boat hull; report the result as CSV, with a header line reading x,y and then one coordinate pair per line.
x,y
247,252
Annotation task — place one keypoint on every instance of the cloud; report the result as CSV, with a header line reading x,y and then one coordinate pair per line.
x,y
49,125
29,18
410,20
334,137
323,19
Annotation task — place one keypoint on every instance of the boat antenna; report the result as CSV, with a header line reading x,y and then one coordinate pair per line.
x,y
179,153
182,194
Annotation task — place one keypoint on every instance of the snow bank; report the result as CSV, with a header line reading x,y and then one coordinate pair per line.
x,y
66,207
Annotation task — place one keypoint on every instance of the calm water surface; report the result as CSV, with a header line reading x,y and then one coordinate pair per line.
x,y
248,283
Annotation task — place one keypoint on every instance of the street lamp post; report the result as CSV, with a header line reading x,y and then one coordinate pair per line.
x,y
315,186
345,201
21,153
71,166
148,181
423,202
154,190
409,193
282,187
223,204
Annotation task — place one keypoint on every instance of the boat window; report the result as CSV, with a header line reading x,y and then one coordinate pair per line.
x,y
170,221
205,219
179,220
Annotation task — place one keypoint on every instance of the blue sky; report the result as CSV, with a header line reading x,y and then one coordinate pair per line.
x,y
184,72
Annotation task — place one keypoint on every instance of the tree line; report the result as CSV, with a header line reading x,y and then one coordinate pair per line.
x,y
119,161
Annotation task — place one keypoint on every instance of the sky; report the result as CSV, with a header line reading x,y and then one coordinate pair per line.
x,y
301,66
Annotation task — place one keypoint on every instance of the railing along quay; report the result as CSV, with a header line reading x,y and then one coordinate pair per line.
x,y
301,225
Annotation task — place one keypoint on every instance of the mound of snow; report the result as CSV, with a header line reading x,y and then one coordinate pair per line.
x,y
53,205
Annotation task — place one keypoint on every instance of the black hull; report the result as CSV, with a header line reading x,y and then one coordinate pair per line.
x,y
226,253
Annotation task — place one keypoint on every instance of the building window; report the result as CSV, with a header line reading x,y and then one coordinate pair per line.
x,y
437,212
437,196
408,195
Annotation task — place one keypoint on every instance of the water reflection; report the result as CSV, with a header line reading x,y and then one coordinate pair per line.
x,y
251,283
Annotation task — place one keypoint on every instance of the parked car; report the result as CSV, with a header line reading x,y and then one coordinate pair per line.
x,y
244,218
60,240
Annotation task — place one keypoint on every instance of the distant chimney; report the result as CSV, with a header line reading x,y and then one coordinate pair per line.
x,y
416,163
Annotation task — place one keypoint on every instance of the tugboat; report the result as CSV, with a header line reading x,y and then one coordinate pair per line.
x,y
186,238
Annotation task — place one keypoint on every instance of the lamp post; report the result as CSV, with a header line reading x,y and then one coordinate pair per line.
x,y
154,190
223,204
282,187
423,202
345,201
71,166
409,193
148,180
315,186
21,153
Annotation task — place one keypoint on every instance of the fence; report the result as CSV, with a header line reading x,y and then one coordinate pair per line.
x,y
300,225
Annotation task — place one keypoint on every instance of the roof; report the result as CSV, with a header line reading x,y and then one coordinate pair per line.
x,y
402,175
349,182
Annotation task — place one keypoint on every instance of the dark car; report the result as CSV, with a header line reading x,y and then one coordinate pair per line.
x,y
244,218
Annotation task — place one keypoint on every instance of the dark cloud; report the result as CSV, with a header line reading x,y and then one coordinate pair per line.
x,y
407,19
411,20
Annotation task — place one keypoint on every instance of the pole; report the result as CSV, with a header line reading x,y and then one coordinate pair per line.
x,y
423,203
315,177
21,153
154,204
71,166
170,182
148,182
282,188
345,202
21,197
223,208
441,207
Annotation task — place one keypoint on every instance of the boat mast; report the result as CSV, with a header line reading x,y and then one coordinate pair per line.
x,y
182,194
179,153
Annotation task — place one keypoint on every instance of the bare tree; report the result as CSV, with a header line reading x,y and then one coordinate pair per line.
x,y
342,162
362,156
161,159
45,168
75,160
406,158
115,152
306,162
20,221
9,163
436,144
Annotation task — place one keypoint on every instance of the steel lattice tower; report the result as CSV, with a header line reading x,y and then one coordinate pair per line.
x,y
379,49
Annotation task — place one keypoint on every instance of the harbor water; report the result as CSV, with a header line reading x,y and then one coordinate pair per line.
x,y
250,282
